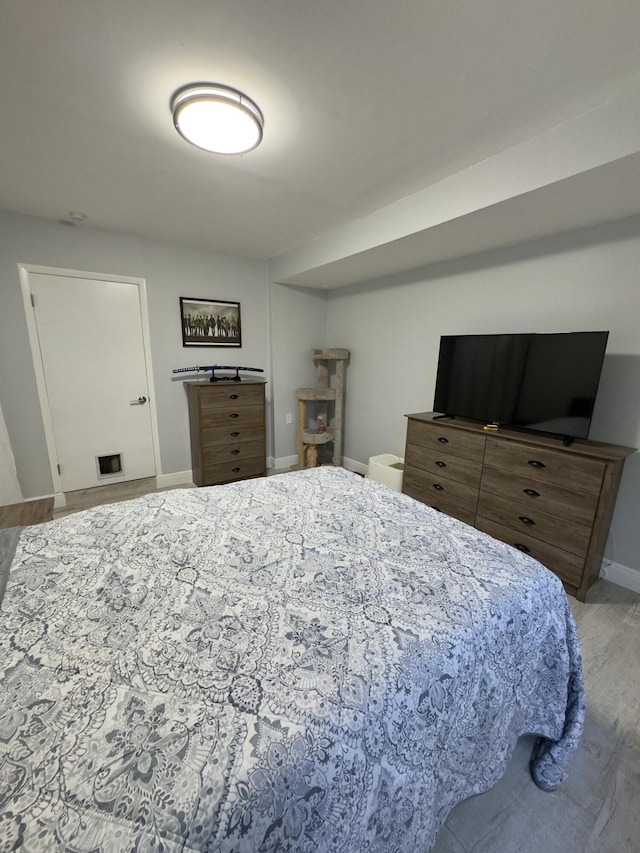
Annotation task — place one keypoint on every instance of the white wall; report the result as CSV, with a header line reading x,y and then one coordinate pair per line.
x,y
585,280
566,177
170,271
298,325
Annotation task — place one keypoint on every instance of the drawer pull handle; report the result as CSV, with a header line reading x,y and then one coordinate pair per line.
x,y
522,547
535,463
525,520
438,487
532,493
235,452
234,434
236,469
234,415
233,396
443,440
441,464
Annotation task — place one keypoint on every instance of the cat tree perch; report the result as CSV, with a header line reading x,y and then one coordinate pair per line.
x,y
324,401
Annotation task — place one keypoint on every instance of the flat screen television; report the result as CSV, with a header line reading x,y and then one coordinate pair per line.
x,y
542,382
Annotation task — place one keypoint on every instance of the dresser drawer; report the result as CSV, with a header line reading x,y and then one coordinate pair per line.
x,y
535,523
549,466
538,495
451,441
236,416
431,489
233,433
236,469
234,451
553,501
567,566
437,463
230,396
227,431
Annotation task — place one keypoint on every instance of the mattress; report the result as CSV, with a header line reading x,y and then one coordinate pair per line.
x,y
305,662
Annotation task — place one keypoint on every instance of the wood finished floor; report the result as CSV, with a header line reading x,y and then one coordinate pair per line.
x,y
113,493
597,810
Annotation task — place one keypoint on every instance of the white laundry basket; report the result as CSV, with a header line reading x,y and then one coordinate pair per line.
x,y
386,469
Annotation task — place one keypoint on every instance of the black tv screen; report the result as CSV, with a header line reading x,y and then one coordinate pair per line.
x,y
544,382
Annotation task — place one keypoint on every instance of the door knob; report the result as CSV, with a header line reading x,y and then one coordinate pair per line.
x,y
139,402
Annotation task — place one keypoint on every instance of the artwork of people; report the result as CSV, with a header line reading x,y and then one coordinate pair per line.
x,y
210,323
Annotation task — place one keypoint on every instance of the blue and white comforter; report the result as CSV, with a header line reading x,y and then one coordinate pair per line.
x,y
307,662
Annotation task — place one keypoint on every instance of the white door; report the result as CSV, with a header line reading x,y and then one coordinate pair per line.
x,y
91,344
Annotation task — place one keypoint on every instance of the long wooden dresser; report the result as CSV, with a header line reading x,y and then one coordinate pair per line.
x,y
228,436
548,500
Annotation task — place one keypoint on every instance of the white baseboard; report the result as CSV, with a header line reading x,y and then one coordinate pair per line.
x,y
277,463
354,465
59,500
288,461
621,575
177,478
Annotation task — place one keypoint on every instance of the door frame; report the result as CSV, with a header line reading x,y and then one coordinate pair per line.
x,y
24,270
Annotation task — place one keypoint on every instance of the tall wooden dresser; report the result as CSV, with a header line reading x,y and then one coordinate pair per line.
x,y
548,500
228,436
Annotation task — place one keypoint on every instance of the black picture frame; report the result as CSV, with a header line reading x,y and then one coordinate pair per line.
x,y
210,322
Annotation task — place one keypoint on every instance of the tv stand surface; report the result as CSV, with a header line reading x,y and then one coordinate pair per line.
x,y
545,498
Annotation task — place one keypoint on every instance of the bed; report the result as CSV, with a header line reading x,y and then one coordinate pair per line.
x,y
304,662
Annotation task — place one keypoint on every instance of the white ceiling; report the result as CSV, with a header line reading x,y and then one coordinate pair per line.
x,y
365,102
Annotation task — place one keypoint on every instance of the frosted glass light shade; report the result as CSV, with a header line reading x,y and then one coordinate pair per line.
x,y
217,118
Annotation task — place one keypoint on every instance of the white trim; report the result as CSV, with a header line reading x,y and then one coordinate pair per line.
x,y
32,329
287,461
177,478
270,390
621,575
354,465
59,499
146,343
41,385
281,462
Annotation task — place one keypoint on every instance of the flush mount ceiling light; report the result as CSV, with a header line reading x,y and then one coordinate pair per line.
x,y
217,118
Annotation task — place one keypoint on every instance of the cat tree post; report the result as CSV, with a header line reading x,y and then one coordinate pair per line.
x,y
325,399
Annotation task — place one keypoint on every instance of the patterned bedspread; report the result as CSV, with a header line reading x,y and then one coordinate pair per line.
x,y
306,662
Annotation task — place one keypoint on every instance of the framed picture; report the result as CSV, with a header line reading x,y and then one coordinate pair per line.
x,y
210,323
